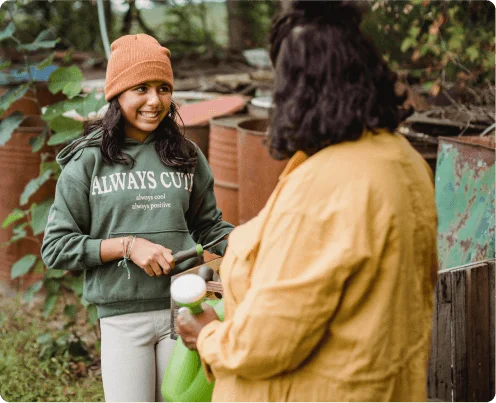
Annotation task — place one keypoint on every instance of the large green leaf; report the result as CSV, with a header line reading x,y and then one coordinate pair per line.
x,y
92,103
32,289
12,95
46,62
54,273
75,283
67,129
9,126
7,32
64,137
16,215
19,232
33,47
33,186
39,268
82,104
44,35
39,216
52,166
40,42
66,79
50,303
63,124
22,266
37,142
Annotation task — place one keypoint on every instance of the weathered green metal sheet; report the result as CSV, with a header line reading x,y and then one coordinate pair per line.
x,y
465,200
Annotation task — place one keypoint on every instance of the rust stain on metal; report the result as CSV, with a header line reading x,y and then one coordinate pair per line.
x,y
465,198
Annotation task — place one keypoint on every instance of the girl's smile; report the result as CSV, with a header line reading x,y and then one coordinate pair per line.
x,y
144,106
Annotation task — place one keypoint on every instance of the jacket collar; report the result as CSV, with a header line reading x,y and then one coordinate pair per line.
x,y
296,160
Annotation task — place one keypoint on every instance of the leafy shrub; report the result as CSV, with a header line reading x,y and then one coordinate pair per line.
x,y
40,363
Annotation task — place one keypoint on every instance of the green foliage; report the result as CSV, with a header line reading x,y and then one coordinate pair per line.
x,y
66,79
47,61
39,43
66,129
7,32
75,22
41,361
12,95
33,186
16,215
445,39
38,142
22,266
8,126
39,215
30,219
83,105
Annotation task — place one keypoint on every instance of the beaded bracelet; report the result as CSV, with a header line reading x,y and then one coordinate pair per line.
x,y
127,253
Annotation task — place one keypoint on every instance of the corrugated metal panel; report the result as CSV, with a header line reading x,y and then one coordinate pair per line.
x,y
465,199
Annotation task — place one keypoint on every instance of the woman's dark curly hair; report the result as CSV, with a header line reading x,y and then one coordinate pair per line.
x,y
172,147
331,83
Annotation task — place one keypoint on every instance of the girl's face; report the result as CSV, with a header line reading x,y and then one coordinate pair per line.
x,y
144,106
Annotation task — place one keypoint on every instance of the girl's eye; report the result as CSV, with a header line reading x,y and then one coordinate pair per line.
x,y
165,89
141,88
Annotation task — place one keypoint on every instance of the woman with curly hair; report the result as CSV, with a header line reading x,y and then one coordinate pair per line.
x,y
329,290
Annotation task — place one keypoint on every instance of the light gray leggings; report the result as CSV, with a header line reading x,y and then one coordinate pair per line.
x,y
135,351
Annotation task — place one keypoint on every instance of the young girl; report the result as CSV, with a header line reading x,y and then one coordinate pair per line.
x,y
132,192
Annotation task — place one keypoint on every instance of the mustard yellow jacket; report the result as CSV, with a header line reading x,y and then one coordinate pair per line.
x,y
329,290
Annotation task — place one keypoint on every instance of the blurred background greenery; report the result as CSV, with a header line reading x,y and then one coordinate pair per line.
x,y
426,37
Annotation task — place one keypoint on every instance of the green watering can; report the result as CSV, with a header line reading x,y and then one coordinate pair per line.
x,y
184,379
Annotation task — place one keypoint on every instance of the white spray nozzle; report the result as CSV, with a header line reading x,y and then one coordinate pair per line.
x,y
188,289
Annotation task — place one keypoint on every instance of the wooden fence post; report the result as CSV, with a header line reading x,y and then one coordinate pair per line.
x,y
459,350
439,385
492,313
477,336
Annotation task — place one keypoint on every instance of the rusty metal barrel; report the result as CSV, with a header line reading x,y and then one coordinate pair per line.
x,y
223,159
198,135
258,172
19,165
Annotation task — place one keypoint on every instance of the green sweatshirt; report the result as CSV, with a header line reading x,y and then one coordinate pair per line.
x,y
96,201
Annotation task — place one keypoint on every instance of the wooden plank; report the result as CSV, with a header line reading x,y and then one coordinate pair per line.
x,y
459,342
478,334
439,385
492,298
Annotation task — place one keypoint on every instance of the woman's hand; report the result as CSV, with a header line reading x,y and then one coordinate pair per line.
x,y
154,259
189,326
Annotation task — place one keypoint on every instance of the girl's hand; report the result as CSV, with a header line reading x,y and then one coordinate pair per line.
x,y
154,259
189,326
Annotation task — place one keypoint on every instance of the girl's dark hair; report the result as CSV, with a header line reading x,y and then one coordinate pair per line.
x,y
172,147
331,82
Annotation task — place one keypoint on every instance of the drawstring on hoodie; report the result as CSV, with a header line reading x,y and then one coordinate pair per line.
x,y
127,253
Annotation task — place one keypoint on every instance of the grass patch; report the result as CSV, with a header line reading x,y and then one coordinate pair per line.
x,y
41,361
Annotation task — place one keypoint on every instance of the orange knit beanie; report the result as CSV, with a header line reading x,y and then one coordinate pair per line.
x,y
135,59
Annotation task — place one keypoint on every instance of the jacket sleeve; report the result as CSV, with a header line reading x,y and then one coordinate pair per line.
x,y
299,276
204,218
66,243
